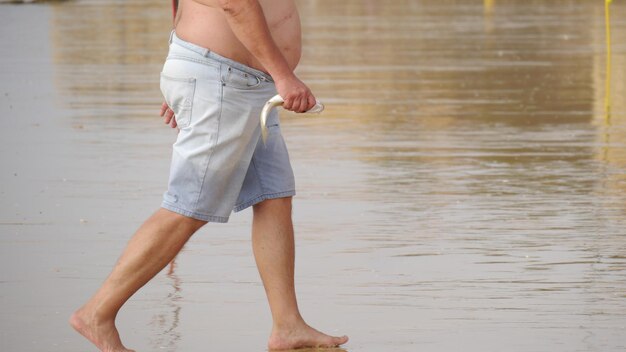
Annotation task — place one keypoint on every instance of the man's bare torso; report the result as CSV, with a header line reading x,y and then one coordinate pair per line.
x,y
204,23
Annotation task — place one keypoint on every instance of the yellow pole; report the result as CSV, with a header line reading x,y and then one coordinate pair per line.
x,y
488,6
607,88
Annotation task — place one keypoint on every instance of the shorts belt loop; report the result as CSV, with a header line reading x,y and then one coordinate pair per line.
x,y
171,36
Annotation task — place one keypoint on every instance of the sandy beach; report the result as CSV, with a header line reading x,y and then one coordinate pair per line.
x,y
464,190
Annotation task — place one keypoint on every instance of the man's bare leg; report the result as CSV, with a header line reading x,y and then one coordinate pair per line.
x,y
152,247
274,251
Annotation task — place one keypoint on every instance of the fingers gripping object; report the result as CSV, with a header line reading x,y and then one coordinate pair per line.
x,y
277,100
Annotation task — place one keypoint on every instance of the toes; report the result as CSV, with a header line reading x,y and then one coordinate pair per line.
x,y
336,341
332,341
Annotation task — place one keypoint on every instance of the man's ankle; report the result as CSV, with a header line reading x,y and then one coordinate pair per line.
x,y
288,322
96,315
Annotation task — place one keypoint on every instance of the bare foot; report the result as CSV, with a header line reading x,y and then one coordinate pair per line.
x,y
302,336
102,334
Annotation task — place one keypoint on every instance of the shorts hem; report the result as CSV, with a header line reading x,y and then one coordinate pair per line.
x,y
263,197
195,215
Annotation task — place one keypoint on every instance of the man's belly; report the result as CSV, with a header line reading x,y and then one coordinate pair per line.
x,y
207,26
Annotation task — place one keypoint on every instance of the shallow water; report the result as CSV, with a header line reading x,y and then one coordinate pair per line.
x,y
465,188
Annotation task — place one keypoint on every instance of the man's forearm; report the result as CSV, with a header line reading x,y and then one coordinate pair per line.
x,y
247,21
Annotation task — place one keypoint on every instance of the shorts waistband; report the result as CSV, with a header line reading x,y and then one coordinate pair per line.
x,y
211,55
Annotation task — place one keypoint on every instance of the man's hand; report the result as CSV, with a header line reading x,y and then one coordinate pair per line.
x,y
168,115
297,95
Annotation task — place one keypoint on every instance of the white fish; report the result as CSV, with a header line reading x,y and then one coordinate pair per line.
x,y
276,101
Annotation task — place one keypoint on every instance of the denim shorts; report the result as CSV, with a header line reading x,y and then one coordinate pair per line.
x,y
219,162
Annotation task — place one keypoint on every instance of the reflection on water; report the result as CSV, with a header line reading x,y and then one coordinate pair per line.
x,y
464,148
166,334
108,55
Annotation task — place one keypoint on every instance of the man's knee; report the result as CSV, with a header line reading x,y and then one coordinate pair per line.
x,y
184,221
276,204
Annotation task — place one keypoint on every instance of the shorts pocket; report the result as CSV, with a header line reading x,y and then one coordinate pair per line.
x,y
240,80
178,93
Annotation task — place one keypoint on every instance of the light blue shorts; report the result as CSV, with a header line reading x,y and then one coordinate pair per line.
x,y
219,162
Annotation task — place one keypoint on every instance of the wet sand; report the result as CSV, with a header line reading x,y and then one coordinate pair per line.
x,y
465,188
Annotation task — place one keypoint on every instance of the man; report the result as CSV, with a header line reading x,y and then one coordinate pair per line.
x,y
226,59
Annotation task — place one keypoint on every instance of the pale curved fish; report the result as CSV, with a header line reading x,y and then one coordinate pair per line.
x,y
277,100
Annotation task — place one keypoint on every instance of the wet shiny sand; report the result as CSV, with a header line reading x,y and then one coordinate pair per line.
x,y
465,188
